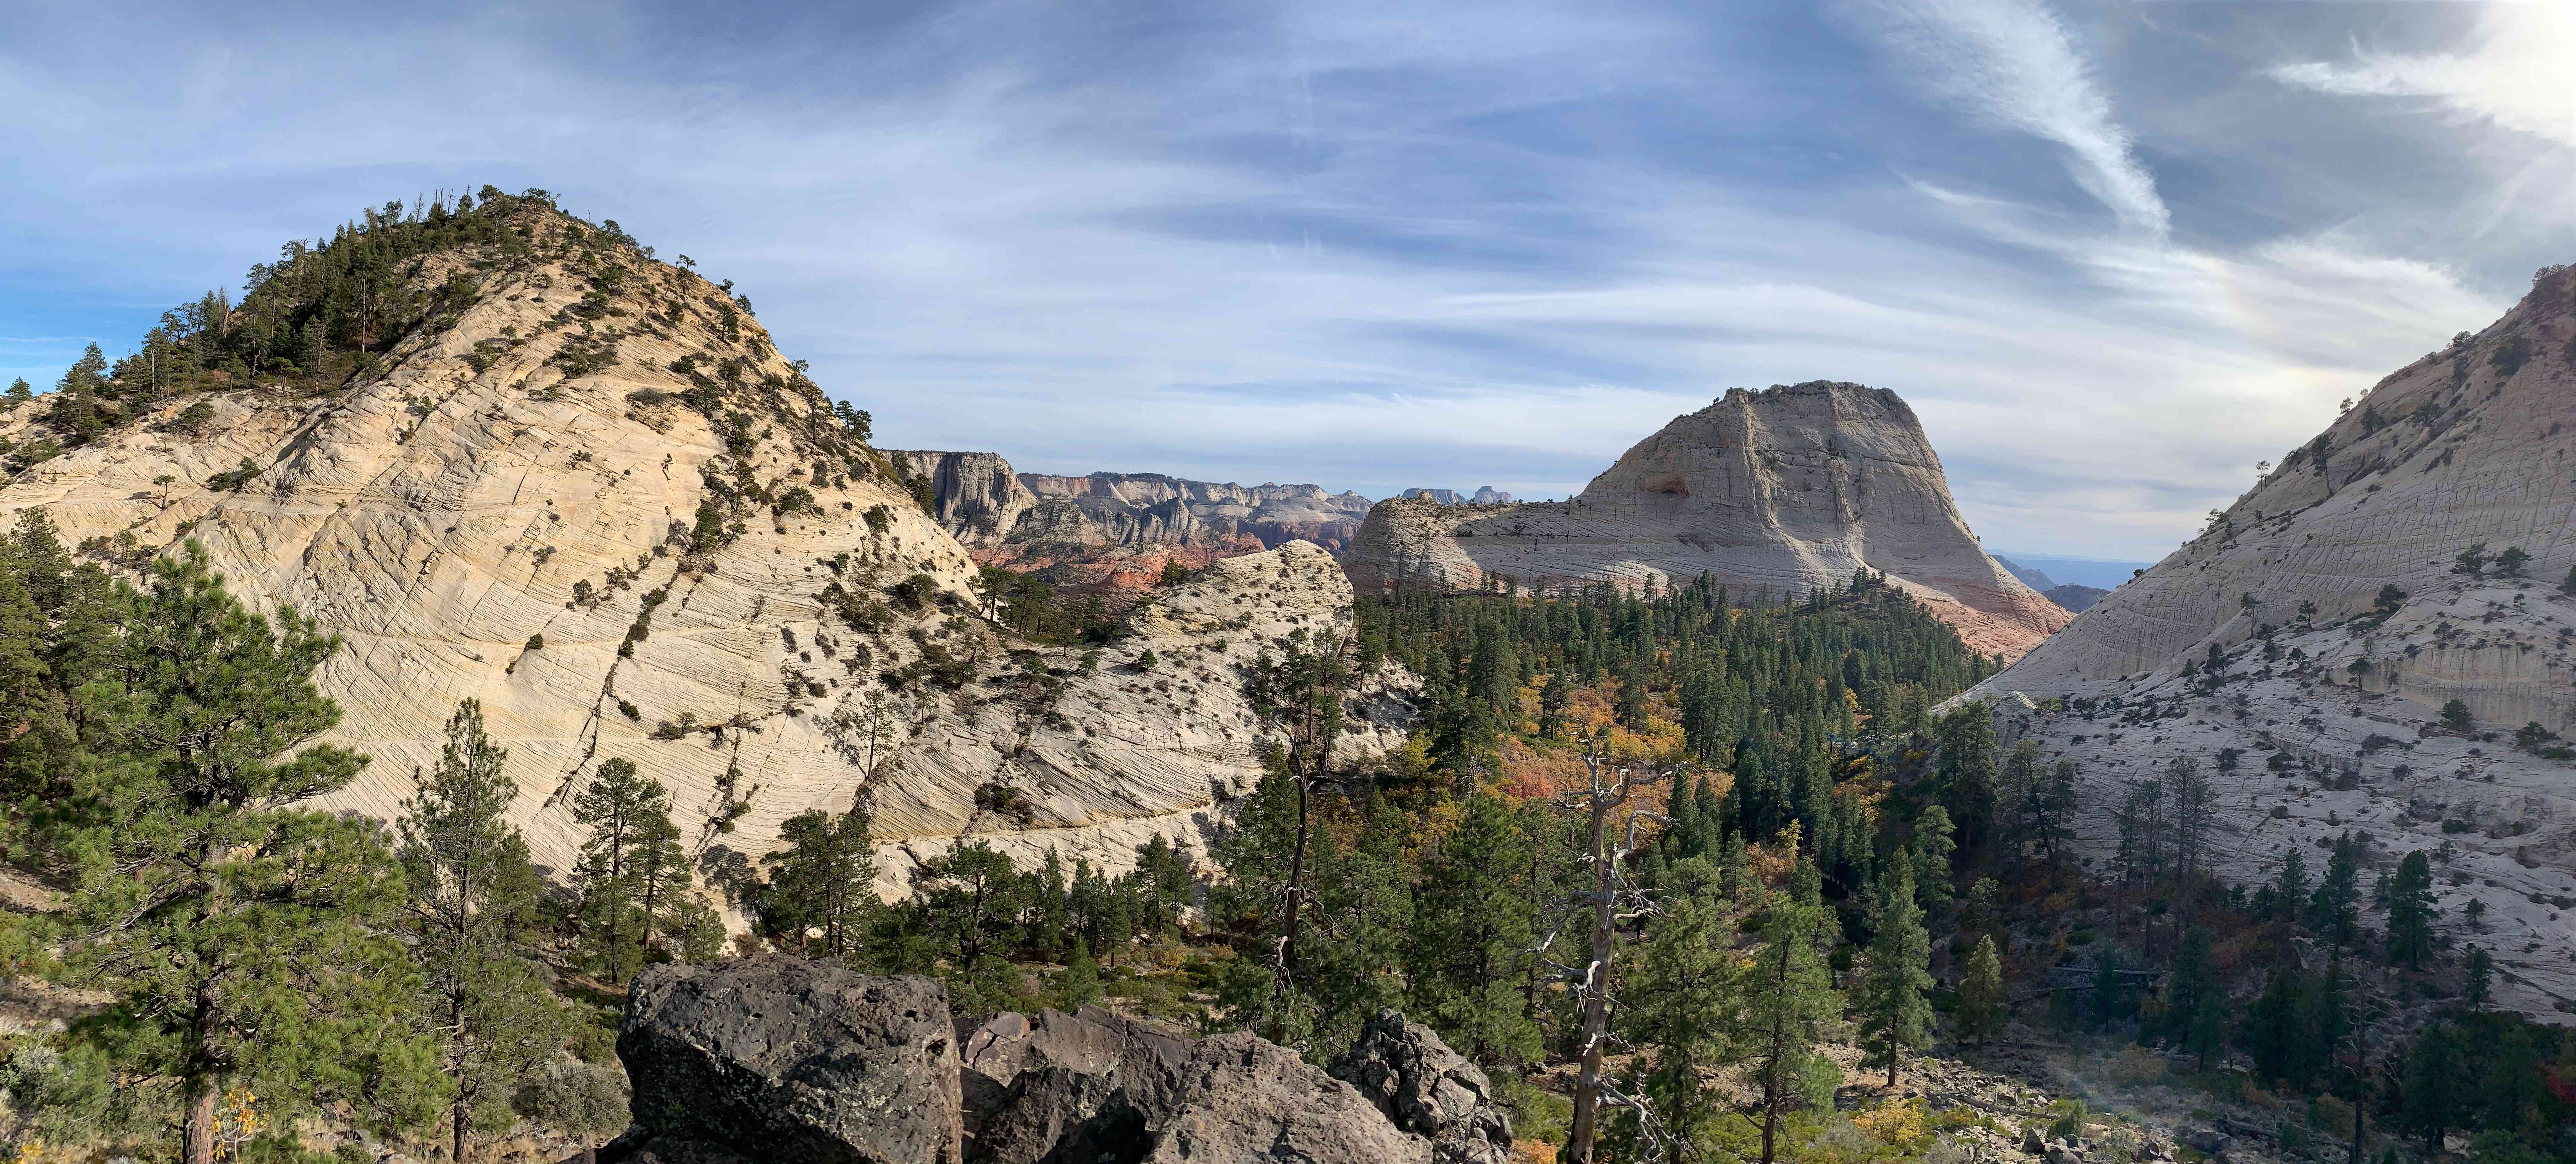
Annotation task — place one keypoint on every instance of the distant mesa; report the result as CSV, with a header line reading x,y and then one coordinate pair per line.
x,y
1790,488
1117,531
1484,495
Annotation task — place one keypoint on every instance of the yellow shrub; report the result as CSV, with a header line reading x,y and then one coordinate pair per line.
x,y
1899,1124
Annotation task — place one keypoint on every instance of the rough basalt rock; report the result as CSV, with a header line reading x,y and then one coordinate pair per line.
x,y
1056,1087
1427,1089
1791,487
1241,1099
780,1057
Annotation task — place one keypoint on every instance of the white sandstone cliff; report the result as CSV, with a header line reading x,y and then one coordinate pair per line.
x,y
615,574
2265,634
1791,487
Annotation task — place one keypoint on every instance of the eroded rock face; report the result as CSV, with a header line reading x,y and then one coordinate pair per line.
x,y
1115,531
1794,486
785,1058
1427,1089
503,514
2317,721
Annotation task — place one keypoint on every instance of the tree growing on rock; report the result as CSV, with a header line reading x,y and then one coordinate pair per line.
x,y
473,897
2410,912
820,891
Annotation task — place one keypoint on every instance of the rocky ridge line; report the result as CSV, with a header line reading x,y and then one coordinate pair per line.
x,y
589,493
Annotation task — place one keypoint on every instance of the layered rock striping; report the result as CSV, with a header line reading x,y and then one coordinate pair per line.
x,y
1789,488
2267,635
676,556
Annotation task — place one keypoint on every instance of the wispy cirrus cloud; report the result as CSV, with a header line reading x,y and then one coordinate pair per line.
x,y
2012,62
1367,244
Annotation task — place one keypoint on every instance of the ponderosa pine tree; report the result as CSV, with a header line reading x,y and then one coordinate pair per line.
x,y
970,901
473,894
1929,856
1894,996
1081,979
632,875
820,891
2410,912
2334,910
2194,997
1787,999
1968,770
1681,998
1982,1004
2024,794
1470,936
248,943
2479,981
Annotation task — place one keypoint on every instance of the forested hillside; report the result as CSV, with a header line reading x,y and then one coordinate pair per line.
x,y
1694,874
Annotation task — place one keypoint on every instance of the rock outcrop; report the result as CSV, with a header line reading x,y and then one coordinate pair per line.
x,y
587,492
2304,645
776,1057
1791,487
1116,531
1427,1089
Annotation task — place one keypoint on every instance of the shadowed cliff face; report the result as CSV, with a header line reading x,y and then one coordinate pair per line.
x,y
2267,634
1792,487
606,507
1115,531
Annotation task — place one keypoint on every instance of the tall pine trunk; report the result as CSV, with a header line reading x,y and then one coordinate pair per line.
x,y
1596,1002
200,1133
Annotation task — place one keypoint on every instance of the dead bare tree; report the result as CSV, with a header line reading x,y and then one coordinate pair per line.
x,y
1611,900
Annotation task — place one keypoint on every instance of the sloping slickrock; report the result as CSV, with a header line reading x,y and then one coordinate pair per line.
x,y
2317,721
674,554
780,1057
1794,486
1425,1088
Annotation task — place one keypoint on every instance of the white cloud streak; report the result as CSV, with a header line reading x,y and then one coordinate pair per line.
x,y
2519,72
1294,250
2013,63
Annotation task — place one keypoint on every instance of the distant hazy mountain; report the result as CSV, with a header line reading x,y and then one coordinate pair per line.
x,y
2104,573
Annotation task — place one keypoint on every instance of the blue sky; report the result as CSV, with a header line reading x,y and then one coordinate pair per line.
x,y
2113,253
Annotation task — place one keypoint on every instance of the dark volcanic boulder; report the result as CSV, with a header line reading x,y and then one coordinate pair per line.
x,y
777,1057
1058,1087
1427,1089
1242,1100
